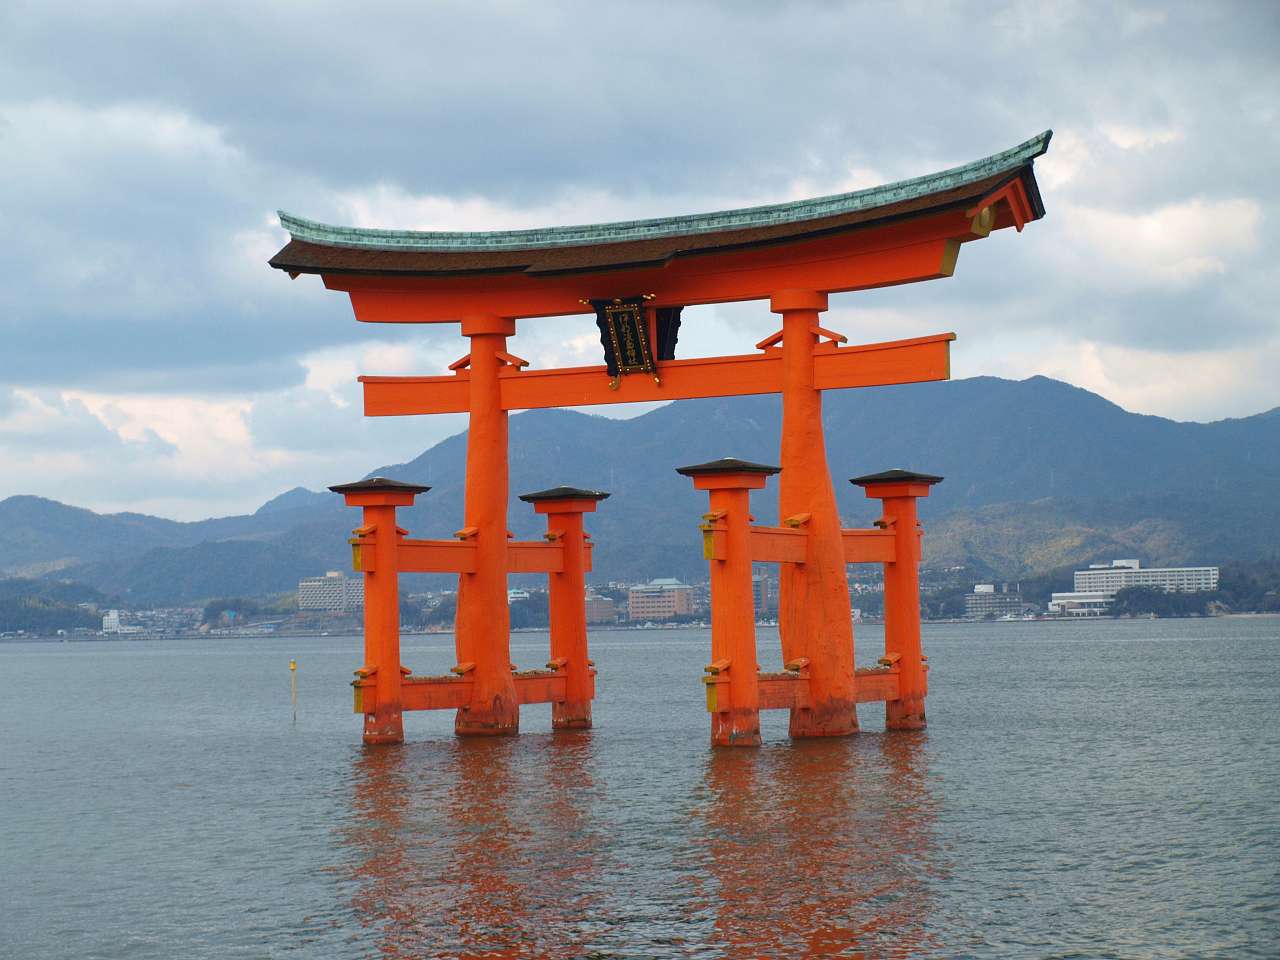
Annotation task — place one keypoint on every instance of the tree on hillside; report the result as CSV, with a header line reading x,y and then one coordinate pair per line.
x,y
1145,601
533,612
230,608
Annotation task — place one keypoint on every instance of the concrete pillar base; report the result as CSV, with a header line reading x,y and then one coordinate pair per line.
x,y
384,727
832,719
571,715
904,715
736,728
500,719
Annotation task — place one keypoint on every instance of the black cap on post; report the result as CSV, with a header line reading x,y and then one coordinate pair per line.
x,y
379,485
563,493
895,476
727,465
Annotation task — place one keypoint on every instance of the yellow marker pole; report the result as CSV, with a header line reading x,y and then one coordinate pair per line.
x,y
293,687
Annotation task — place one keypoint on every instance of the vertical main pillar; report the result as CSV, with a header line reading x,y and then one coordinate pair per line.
x,y
375,549
813,597
733,621
483,627
899,490
564,507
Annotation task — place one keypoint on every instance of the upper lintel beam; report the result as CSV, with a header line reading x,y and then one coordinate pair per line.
x,y
864,365
904,253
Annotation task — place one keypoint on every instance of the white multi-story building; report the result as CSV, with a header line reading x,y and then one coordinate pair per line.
x,y
1115,576
1080,604
986,601
111,624
333,591
1097,587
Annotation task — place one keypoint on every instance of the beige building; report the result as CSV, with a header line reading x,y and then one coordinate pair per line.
x,y
600,609
659,600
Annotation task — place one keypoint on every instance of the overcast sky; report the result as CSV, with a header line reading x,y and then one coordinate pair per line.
x,y
151,361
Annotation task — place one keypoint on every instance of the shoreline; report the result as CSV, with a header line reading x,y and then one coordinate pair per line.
x,y
268,634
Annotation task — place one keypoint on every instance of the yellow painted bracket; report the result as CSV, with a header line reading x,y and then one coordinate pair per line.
x,y
362,558
716,677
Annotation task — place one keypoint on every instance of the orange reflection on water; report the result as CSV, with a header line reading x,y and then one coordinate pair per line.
x,y
510,849
818,848
473,848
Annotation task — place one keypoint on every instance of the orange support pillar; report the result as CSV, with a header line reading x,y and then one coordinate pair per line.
x,y
483,627
376,542
899,490
564,507
813,600
733,623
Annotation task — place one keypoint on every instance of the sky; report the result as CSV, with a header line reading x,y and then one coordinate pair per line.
x,y
151,361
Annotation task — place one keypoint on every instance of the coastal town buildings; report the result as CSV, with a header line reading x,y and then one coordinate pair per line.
x,y
111,624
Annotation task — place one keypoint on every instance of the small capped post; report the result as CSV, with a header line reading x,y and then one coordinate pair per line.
x,y
733,694
898,490
374,553
567,588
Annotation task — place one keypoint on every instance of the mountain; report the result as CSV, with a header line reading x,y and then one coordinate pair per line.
x,y
1039,474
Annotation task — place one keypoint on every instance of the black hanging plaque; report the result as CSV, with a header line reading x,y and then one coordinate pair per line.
x,y
624,334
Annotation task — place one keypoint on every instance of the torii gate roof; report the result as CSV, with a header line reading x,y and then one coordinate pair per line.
x,y
647,244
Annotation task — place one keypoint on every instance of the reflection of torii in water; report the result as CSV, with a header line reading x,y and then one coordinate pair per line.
x,y
633,275
812,852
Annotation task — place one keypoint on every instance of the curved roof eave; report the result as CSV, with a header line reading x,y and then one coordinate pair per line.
x,y
796,211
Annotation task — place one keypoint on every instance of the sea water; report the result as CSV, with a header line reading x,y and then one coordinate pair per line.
x,y
1094,789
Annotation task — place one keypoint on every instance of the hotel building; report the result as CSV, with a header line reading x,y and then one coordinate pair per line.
x,y
659,600
333,591
1096,588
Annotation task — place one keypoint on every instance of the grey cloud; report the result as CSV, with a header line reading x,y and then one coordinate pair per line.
x,y
511,101
126,266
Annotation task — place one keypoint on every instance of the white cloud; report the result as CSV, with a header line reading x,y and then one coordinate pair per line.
x,y
1174,245
1140,138
163,366
1187,386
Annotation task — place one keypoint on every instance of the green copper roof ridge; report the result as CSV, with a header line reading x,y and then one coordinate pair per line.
x,y
742,218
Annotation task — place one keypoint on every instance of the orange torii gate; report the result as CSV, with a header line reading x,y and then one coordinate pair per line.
x,y
636,277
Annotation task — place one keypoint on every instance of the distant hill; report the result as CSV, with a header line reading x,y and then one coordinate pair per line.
x,y
1039,474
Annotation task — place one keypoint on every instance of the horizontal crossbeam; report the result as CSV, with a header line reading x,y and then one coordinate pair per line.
x,y
452,692
538,557
864,365
459,556
788,544
874,684
768,544
781,691
869,546
436,556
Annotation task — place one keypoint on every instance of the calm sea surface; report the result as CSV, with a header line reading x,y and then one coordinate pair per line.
x,y
1105,789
